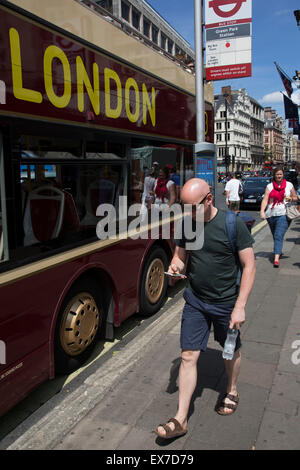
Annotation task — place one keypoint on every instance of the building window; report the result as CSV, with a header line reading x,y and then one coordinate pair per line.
x,y
223,114
218,126
136,17
154,34
219,137
106,4
170,46
146,27
125,8
163,41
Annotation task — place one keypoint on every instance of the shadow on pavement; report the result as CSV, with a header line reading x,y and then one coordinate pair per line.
x,y
211,375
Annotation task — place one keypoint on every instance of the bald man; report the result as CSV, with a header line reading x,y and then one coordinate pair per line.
x,y
213,297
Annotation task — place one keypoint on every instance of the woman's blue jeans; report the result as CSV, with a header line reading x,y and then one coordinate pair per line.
x,y
278,225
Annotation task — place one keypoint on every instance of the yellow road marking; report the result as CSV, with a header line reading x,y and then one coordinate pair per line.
x,y
258,227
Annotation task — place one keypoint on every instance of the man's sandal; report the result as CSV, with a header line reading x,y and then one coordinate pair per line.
x,y
230,406
170,433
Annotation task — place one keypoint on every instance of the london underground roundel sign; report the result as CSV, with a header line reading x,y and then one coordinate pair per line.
x,y
220,11
217,4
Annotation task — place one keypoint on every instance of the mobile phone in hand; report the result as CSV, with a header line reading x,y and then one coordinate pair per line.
x,y
182,276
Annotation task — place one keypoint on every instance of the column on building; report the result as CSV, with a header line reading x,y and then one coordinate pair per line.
x,y
256,135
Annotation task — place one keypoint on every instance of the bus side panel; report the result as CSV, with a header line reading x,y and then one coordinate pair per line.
x,y
123,262
25,324
20,378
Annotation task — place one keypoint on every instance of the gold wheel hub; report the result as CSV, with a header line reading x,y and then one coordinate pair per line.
x,y
155,280
79,324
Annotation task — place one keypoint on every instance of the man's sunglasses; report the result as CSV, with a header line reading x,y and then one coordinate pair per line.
x,y
196,206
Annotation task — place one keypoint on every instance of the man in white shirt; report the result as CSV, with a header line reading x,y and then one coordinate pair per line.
x,y
232,189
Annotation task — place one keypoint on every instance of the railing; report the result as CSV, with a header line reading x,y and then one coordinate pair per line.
x,y
108,16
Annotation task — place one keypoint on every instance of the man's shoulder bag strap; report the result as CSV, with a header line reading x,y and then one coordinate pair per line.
x,y
231,233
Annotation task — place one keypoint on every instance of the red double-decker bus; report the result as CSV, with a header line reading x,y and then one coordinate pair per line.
x,y
78,127
268,165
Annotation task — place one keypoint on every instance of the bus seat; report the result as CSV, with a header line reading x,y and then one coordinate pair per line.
x,y
70,218
43,214
101,191
83,181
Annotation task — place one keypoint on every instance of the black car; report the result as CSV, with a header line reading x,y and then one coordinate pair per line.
x,y
292,176
253,191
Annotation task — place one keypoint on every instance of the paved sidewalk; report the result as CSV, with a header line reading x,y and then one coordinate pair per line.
x,y
118,406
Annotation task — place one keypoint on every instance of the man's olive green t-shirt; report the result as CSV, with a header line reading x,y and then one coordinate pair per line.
x,y
212,270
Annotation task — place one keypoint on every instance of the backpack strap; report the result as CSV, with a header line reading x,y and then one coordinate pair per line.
x,y
232,237
231,229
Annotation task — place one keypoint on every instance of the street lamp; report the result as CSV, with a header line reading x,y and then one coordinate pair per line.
x,y
297,16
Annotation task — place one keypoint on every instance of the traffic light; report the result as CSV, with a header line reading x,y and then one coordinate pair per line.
x,y
227,160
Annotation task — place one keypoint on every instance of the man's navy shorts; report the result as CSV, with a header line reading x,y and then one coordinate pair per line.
x,y
197,317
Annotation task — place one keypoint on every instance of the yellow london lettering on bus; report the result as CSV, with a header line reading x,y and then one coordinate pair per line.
x,y
113,89
51,53
83,79
147,105
115,112
131,83
20,93
206,123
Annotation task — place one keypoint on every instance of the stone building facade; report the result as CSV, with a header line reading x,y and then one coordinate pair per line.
x,y
239,123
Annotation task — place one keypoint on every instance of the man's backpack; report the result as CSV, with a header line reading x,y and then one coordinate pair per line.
x,y
231,232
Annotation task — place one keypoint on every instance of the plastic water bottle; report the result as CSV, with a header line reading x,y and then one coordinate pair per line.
x,y
229,345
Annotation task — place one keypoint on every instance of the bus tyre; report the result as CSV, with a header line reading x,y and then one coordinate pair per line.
x,y
79,324
153,283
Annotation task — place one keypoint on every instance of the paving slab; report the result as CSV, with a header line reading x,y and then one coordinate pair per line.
x,y
285,395
118,406
279,431
261,352
238,431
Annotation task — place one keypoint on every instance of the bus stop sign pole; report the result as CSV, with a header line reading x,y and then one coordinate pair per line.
x,y
205,153
198,12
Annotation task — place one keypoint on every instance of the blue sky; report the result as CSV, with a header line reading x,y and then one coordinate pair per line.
x,y
275,37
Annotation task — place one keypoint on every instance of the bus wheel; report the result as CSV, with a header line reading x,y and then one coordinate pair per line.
x,y
153,284
78,326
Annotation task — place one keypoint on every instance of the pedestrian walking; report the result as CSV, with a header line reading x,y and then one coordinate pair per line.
x,y
175,176
232,191
148,194
164,189
273,208
155,168
213,297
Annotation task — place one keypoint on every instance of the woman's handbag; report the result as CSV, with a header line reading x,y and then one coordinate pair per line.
x,y
292,211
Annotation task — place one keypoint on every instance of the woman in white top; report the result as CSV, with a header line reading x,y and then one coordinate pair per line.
x,y
148,194
273,208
